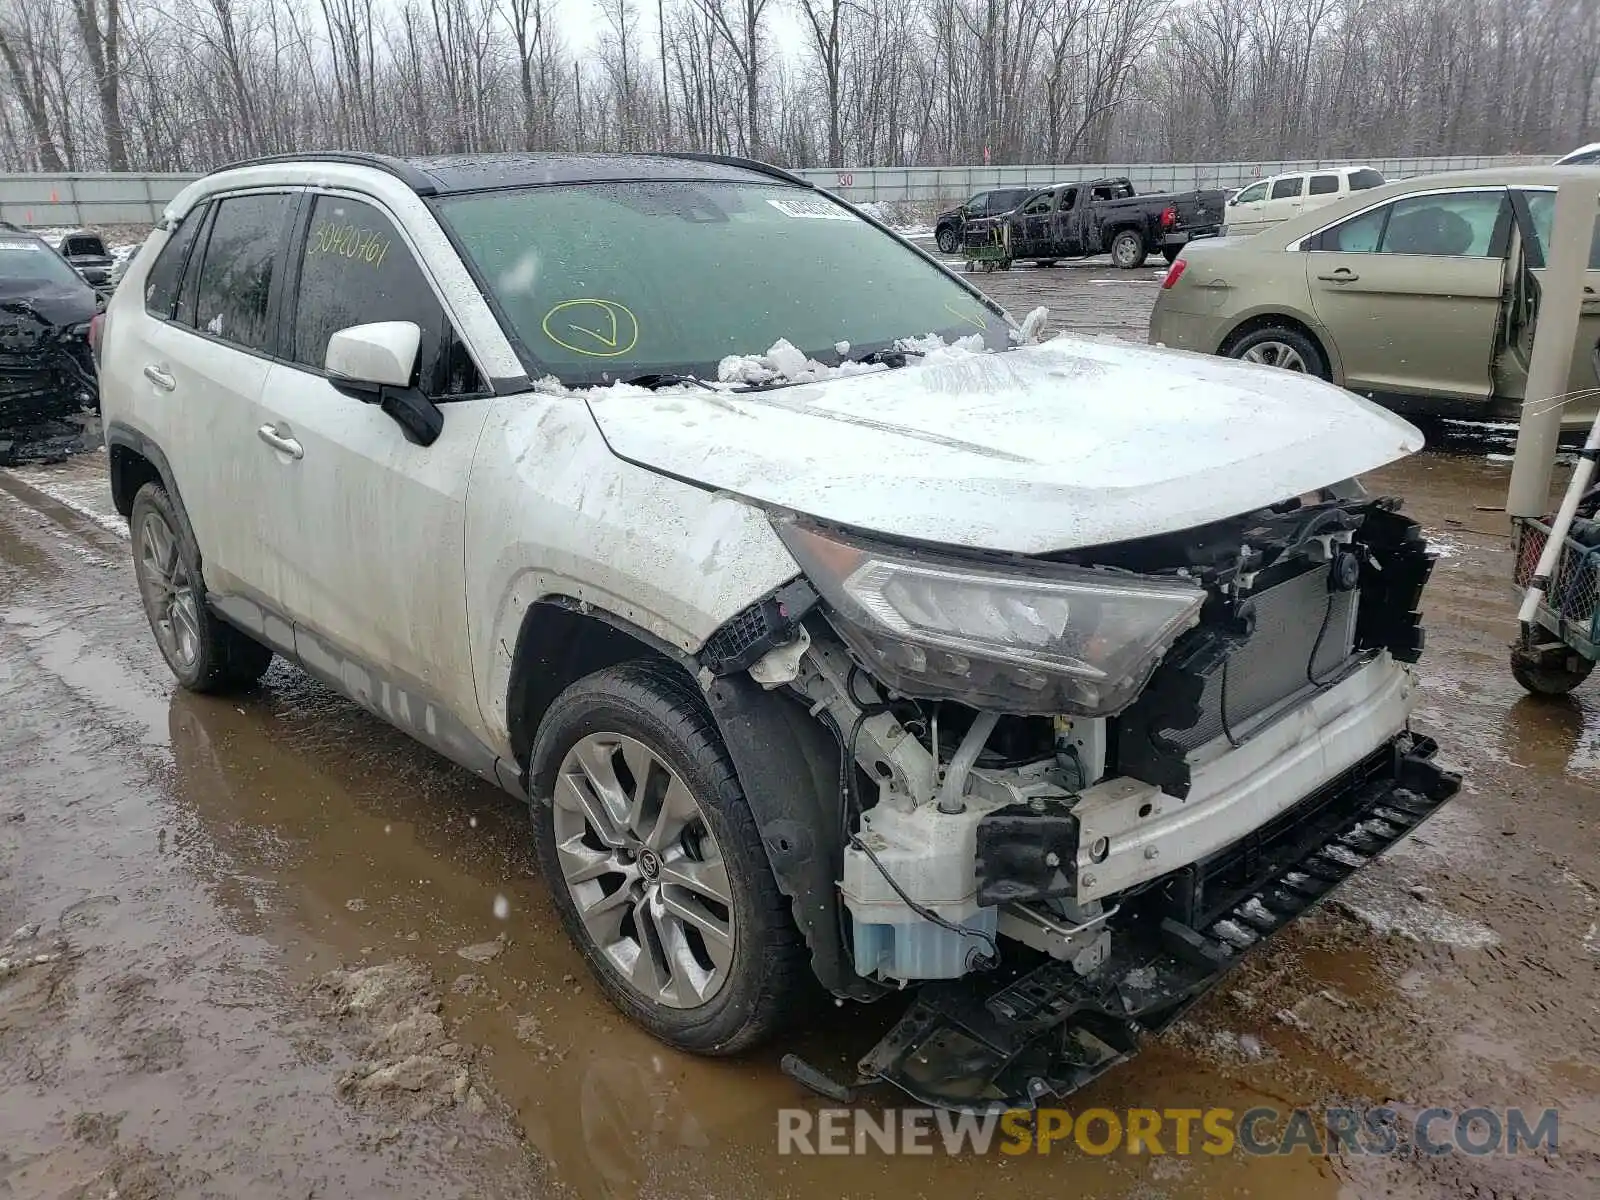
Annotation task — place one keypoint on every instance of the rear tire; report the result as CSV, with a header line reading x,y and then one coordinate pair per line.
x,y
639,823
1128,250
1550,679
203,651
1047,262
1282,347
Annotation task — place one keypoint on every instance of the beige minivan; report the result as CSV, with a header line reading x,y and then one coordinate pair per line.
x,y
1420,295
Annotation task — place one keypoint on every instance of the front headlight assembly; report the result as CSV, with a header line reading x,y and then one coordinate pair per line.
x,y
1026,638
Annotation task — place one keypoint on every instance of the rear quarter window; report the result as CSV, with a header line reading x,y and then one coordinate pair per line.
x,y
1365,178
166,273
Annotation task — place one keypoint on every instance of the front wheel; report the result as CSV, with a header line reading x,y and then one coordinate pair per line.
x,y
655,863
1550,678
946,240
1128,250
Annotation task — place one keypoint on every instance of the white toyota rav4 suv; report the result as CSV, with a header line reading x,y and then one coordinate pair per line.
x,y
832,624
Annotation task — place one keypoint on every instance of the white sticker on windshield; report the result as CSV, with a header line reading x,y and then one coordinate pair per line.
x,y
816,210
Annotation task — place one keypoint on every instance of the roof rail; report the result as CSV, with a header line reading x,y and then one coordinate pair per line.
x,y
418,181
733,160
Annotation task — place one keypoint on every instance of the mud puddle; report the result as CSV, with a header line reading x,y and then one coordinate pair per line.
x,y
274,900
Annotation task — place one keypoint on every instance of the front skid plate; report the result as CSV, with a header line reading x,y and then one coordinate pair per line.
x,y
988,1043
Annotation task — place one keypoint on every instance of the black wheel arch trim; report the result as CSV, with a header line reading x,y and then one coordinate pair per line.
x,y
120,435
788,768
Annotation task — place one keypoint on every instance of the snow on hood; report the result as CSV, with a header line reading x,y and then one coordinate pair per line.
x,y
1071,443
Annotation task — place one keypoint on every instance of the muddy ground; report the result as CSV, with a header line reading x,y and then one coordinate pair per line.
x,y
265,946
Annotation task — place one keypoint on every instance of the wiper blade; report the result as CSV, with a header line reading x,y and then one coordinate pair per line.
x,y
889,357
655,380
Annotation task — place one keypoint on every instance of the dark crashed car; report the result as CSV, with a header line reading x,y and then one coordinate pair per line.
x,y
47,372
86,251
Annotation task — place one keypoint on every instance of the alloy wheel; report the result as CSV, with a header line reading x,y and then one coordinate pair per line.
x,y
643,870
1275,354
168,591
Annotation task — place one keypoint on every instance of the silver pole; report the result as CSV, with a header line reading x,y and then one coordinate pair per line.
x,y
1554,344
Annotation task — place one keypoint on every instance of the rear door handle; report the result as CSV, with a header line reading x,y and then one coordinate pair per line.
x,y
285,445
1342,275
159,377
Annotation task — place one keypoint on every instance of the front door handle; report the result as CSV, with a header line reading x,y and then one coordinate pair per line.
x,y
1342,275
285,445
160,377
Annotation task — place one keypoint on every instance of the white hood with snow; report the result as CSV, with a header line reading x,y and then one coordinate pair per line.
x,y
1071,443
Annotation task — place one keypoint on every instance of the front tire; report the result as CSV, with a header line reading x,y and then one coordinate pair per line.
x,y
205,652
1128,250
1282,347
946,240
656,865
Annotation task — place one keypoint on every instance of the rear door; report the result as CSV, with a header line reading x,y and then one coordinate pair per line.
x,y
367,528
1324,188
202,363
1583,382
1411,292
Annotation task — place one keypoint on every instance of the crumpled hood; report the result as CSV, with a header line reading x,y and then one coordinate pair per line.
x,y
1072,443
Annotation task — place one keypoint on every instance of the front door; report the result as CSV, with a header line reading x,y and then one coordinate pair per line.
x,y
1034,223
1411,295
1536,214
1244,214
367,527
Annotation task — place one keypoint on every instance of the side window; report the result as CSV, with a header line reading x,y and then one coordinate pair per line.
x,y
1324,185
1542,208
1288,188
161,284
1451,226
235,281
1256,191
1069,199
355,269
1039,205
1365,178
1358,235
978,202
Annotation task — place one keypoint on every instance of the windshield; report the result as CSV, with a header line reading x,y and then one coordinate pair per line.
x,y
607,281
26,262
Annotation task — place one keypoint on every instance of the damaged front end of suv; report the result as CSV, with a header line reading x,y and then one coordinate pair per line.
x,y
1073,790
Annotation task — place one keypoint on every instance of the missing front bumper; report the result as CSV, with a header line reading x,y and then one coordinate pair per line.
x,y
1013,1040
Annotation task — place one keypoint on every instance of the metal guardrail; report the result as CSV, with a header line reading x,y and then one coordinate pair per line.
x,y
131,199
950,185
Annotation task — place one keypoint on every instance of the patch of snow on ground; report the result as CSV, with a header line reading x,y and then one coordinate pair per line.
x,y
1440,546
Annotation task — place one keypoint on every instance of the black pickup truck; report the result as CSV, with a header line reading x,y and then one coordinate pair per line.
x,y
1106,216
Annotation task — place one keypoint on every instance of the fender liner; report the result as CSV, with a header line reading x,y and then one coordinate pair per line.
x,y
788,764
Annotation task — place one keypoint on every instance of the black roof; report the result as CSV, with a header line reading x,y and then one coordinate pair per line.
x,y
481,172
